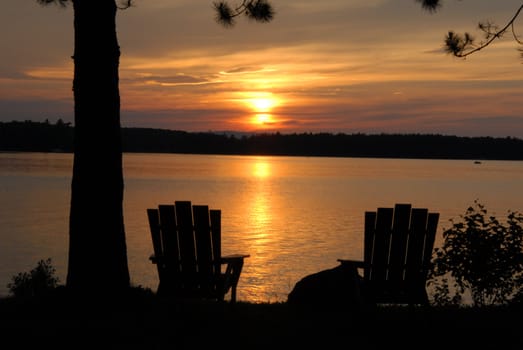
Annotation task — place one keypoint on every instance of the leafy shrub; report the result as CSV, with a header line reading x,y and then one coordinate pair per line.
x,y
479,255
38,281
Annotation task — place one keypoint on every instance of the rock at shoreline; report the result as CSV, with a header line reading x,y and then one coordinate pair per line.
x,y
335,287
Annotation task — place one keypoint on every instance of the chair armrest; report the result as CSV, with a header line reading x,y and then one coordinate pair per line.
x,y
155,259
233,258
356,263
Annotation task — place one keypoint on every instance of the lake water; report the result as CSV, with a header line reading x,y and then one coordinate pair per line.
x,y
293,215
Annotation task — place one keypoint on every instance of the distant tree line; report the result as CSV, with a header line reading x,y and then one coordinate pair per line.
x,y
48,137
36,136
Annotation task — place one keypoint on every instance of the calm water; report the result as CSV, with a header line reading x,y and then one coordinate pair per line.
x,y
293,215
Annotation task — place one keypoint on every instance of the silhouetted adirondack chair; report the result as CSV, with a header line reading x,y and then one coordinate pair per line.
x,y
398,244
187,252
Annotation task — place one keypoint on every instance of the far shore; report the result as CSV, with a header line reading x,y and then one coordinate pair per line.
x,y
32,136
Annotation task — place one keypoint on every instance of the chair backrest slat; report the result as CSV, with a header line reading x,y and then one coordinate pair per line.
x,y
216,237
398,245
382,234
169,235
432,226
202,235
184,225
368,242
417,235
156,236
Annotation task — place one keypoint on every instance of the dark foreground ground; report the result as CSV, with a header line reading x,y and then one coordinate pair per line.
x,y
145,321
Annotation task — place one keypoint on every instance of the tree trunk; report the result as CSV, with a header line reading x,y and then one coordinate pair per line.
x,y
97,247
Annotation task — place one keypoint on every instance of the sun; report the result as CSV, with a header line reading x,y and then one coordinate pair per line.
x,y
262,105
261,102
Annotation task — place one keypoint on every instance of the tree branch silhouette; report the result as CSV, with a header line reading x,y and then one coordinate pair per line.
x,y
258,10
463,45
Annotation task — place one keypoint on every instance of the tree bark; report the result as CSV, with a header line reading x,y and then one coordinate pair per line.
x,y
97,247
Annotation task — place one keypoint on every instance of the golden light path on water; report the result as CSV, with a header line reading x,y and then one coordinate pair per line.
x,y
261,215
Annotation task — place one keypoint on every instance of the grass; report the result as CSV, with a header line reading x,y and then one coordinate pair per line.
x,y
143,320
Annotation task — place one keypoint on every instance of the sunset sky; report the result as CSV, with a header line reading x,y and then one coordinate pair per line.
x,y
351,66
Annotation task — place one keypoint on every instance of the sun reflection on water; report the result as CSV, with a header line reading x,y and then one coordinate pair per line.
x,y
261,169
262,219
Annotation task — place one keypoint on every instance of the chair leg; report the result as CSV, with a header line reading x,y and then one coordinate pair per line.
x,y
232,276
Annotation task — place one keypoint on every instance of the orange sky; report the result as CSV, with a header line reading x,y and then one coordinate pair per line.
x,y
348,66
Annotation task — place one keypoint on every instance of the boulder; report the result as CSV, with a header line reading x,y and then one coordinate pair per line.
x,y
336,287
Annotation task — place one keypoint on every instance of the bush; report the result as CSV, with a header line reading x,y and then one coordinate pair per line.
x,y
38,281
479,255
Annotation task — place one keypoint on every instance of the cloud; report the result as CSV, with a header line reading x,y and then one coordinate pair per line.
x,y
168,80
245,69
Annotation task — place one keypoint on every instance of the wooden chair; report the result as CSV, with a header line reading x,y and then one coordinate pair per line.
x,y
187,252
398,244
